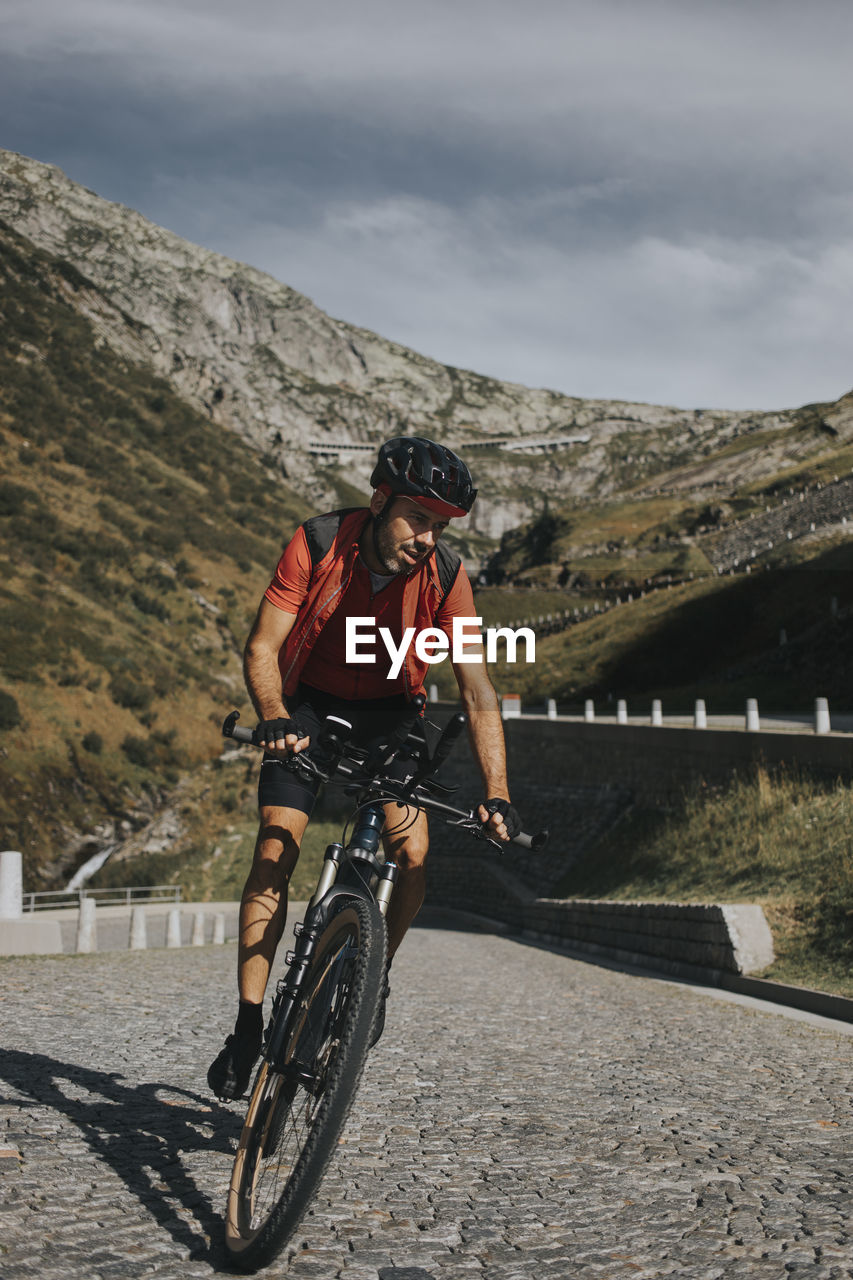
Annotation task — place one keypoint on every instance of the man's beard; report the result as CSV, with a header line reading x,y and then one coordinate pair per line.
x,y
390,553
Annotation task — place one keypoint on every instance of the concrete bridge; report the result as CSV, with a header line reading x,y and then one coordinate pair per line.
x,y
526,1116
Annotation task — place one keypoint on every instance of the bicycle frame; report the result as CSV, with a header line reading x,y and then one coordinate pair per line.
x,y
358,871
344,874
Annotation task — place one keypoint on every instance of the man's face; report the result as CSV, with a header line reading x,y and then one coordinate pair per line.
x,y
407,535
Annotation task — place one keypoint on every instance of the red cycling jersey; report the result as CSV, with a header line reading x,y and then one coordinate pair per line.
x,y
326,667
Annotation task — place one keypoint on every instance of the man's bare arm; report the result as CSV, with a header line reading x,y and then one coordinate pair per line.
x,y
269,632
485,731
271,628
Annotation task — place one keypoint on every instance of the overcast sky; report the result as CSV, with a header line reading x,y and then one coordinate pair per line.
x,y
640,199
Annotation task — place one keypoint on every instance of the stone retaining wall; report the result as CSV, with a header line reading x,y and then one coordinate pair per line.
x,y
577,779
656,762
684,939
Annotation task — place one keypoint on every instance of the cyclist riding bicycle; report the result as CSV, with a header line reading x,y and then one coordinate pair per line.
x,y
383,564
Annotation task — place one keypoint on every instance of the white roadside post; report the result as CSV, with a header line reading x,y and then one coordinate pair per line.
x,y
219,928
173,928
22,933
197,939
753,722
589,711
87,929
621,711
700,720
11,885
511,706
138,930
657,712
821,716
551,709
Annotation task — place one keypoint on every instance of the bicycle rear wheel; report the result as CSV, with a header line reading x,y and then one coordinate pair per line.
x,y
296,1115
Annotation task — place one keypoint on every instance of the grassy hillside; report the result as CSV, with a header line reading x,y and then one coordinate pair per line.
x,y
594,543
640,539
712,637
784,842
136,542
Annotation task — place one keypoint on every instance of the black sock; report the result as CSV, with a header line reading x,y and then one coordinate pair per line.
x,y
250,1019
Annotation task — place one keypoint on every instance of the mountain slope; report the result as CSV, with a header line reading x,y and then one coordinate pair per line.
x,y
137,538
167,418
261,359
781,635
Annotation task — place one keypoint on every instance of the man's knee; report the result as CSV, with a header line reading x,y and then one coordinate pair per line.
x,y
412,855
277,848
280,831
407,839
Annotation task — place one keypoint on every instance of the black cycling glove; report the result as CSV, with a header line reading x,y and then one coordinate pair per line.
x,y
512,822
271,730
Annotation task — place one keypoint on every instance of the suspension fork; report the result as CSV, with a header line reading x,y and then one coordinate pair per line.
x,y
363,849
287,993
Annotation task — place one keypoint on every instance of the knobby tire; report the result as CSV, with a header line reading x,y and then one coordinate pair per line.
x,y
295,1117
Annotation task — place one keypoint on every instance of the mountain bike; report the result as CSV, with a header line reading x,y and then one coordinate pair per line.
x,y
324,1014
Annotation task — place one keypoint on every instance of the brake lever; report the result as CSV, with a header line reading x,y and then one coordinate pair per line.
x,y
479,833
472,826
306,766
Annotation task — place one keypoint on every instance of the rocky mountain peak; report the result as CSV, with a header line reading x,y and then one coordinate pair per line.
x,y
311,392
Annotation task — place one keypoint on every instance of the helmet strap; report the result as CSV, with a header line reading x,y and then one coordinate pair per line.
x,y
374,526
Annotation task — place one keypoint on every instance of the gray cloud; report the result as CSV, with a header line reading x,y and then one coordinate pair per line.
x,y
640,200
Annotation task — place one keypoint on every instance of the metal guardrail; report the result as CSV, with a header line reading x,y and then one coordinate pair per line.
x,y
133,895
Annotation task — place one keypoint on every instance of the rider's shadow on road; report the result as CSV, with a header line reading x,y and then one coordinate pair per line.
x,y
141,1135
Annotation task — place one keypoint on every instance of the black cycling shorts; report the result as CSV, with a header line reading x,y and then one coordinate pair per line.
x,y
373,721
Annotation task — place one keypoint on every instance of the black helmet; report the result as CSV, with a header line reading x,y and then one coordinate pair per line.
x,y
427,472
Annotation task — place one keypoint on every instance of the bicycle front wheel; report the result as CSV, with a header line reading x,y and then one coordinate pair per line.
x,y
296,1115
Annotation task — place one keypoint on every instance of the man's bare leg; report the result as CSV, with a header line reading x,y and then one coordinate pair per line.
x,y
262,914
406,840
263,908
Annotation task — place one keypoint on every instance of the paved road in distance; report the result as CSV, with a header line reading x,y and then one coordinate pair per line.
x,y
525,1117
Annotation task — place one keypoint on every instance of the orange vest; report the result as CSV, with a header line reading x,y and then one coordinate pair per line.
x,y
423,595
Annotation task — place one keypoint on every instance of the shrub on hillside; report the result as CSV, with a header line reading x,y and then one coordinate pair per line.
x,y
150,605
23,626
13,497
69,677
10,712
157,751
130,692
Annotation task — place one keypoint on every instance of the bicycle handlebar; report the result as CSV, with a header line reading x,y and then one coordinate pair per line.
x,y
371,769
231,729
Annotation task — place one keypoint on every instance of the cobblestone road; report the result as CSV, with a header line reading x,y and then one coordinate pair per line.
x,y
526,1116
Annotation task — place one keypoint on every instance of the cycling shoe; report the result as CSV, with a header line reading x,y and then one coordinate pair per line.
x,y
231,1070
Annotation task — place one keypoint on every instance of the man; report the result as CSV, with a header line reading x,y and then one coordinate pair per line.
x,y
383,562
